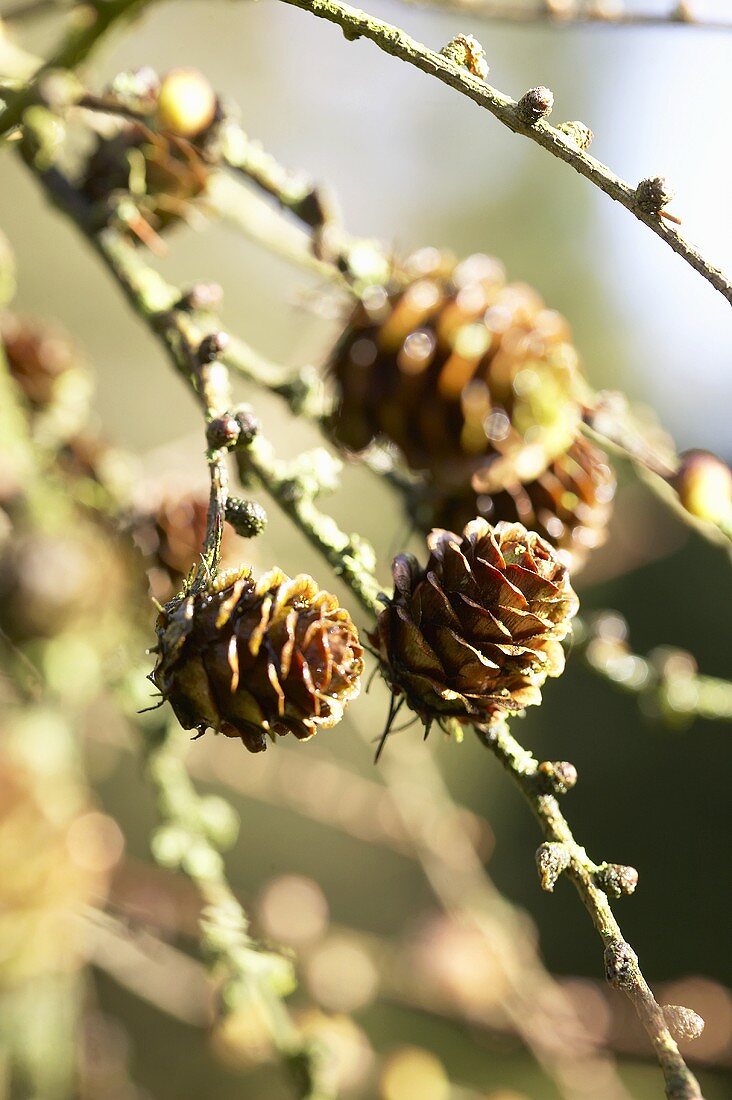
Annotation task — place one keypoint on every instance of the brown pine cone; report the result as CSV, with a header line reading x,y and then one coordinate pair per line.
x,y
569,504
171,169
463,372
474,634
38,357
52,376
253,657
162,166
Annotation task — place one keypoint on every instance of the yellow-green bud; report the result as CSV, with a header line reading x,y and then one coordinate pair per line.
x,y
704,485
186,103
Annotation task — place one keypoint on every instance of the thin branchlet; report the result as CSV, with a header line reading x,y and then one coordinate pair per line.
x,y
562,854
190,838
666,682
396,42
684,13
85,34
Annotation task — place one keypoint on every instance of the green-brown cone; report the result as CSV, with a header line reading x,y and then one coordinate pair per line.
x,y
162,172
462,371
569,504
38,357
51,375
250,658
474,634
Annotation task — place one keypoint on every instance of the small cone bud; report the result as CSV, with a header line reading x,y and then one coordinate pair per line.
x,y
683,1023
466,51
557,776
704,485
222,431
186,104
551,859
535,104
248,425
246,517
616,879
621,965
203,297
653,194
212,346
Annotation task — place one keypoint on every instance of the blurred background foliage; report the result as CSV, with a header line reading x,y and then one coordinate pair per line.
x,y
414,164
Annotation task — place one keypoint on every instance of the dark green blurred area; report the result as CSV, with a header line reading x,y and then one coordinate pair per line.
x,y
415,164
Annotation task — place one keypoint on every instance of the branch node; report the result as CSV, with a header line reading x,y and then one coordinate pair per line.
x,y
576,132
247,517
313,473
616,879
621,965
211,347
247,424
683,1023
652,194
466,51
535,104
222,433
557,776
552,858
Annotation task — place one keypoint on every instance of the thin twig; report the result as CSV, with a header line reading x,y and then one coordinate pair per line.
x,y
78,43
396,42
621,962
617,434
666,681
250,973
349,556
533,1001
582,14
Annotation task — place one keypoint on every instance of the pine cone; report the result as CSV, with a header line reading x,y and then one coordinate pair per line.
x,y
474,634
253,657
174,173
51,375
38,358
461,371
569,504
